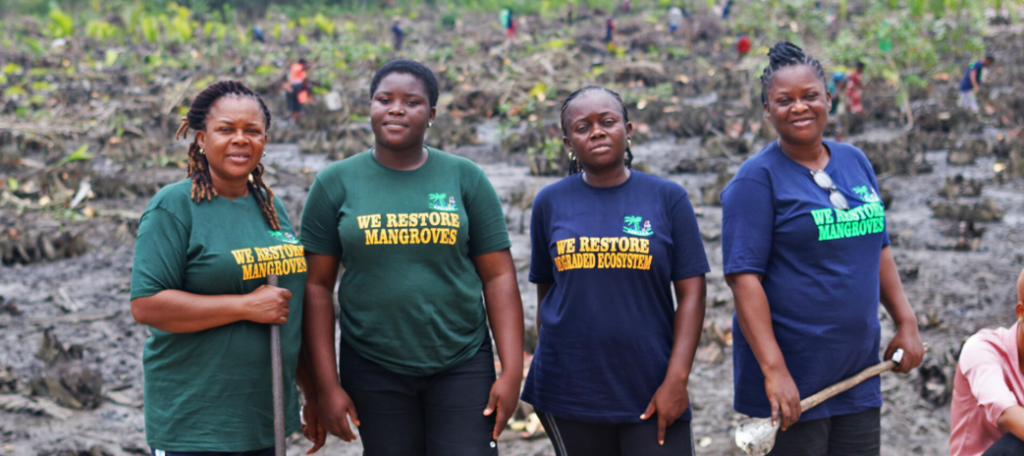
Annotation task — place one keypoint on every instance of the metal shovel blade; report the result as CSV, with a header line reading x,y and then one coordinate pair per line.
x,y
756,436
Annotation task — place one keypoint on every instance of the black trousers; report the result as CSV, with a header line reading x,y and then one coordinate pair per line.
x,y
578,438
1008,445
857,434
435,415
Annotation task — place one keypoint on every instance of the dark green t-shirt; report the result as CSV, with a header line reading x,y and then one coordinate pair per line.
x,y
211,390
410,296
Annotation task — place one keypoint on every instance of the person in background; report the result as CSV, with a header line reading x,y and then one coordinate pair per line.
x,y
508,21
971,84
743,46
807,256
854,86
297,85
625,6
257,34
609,29
987,411
399,34
675,19
727,10
568,12
835,87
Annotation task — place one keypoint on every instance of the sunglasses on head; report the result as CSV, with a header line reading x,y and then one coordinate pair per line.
x,y
825,182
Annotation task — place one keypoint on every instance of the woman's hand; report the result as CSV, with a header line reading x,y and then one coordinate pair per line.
x,y
312,428
784,397
909,339
503,401
336,407
669,402
268,305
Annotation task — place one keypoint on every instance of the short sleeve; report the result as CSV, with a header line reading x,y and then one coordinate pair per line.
x,y
540,252
319,229
982,366
748,219
866,164
488,231
161,254
688,257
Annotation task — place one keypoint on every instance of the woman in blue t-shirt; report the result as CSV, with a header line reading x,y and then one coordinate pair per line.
x,y
807,257
609,243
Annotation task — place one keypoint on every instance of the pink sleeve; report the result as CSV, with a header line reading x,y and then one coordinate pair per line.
x,y
981,363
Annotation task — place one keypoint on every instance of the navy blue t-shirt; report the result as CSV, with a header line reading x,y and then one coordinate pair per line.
x,y
819,268
606,325
965,83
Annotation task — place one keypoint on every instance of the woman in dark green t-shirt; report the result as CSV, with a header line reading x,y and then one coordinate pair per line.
x,y
421,235
202,256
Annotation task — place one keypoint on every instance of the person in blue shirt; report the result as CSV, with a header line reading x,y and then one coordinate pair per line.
x,y
610,245
399,34
807,256
971,84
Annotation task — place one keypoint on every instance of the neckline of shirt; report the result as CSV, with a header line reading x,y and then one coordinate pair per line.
x,y
632,172
431,152
828,168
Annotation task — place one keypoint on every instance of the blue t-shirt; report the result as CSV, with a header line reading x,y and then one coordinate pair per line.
x,y
606,325
965,83
819,268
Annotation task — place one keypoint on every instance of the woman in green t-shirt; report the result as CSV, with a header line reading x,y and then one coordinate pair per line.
x,y
421,236
202,255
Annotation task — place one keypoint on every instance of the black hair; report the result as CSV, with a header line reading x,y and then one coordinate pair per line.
x,y
782,55
990,57
411,67
574,165
199,168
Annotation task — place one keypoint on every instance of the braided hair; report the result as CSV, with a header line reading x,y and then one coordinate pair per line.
x,y
574,165
199,168
782,55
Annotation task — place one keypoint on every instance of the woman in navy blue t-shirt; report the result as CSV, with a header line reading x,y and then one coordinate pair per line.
x,y
609,244
807,256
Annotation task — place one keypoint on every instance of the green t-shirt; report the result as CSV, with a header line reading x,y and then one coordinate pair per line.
x,y
211,390
410,296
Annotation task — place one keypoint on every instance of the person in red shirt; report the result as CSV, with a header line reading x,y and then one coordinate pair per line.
x,y
743,46
297,93
987,416
854,89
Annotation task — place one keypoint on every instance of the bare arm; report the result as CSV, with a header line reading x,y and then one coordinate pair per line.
x,y
895,301
318,337
1012,421
974,79
177,311
505,312
755,320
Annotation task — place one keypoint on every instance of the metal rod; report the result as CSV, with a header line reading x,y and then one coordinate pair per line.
x,y
278,381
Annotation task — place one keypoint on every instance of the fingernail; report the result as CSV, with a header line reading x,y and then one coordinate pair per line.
x,y
661,442
643,417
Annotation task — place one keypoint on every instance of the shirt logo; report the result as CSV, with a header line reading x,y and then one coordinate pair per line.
x,y
437,202
283,237
867,194
633,226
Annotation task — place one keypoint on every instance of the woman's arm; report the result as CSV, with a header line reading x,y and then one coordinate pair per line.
x,y
755,320
672,398
318,337
895,301
312,428
177,311
505,312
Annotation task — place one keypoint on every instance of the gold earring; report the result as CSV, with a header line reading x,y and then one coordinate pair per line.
x,y
201,151
629,142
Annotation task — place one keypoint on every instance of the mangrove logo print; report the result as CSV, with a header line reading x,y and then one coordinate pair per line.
x,y
438,203
867,194
283,237
258,262
862,220
633,226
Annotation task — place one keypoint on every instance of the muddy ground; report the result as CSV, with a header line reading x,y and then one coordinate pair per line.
x,y
959,269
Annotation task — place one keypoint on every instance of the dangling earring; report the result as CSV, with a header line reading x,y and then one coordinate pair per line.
x,y
251,179
201,151
430,124
264,153
629,143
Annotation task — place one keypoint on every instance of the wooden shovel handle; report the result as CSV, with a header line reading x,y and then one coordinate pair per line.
x,y
844,385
